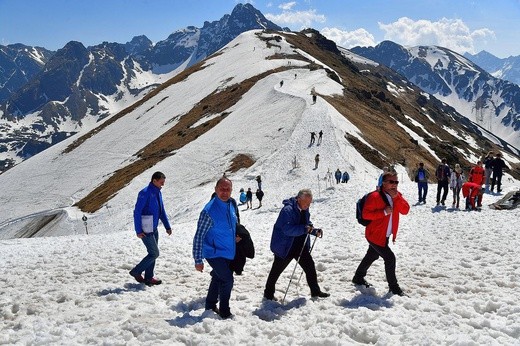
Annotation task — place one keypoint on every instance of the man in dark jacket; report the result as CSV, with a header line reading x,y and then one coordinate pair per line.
x,y
497,165
290,240
149,209
443,175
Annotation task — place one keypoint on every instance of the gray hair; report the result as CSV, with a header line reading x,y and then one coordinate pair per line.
x,y
304,192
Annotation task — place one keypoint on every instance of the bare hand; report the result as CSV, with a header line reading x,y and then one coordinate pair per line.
x,y
169,231
389,210
141,235
319,233
199,267
237,239
309,229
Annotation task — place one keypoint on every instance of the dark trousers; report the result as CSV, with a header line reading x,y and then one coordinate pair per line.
x,y
147,264
496,180
442,185
373,253
220,286
422,187
279,265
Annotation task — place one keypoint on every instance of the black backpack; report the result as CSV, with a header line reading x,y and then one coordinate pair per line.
x,y
361,203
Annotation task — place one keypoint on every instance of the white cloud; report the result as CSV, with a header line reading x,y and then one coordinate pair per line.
x,y
304,19
450,33
287,6
349,39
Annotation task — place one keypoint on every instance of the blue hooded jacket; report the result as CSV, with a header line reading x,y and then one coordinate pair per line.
x,y
287,227
149,202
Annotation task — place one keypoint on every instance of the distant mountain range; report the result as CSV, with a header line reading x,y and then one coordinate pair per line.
x,y
48,96
492,103
507,69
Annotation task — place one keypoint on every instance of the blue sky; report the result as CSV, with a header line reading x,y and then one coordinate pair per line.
x,y
461,25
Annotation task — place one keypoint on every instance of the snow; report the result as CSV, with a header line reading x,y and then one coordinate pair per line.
x,y
460,269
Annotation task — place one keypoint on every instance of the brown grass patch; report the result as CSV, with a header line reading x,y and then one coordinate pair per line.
x,y
240,161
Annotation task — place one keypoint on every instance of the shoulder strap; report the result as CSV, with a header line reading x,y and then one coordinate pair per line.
x,y
384,197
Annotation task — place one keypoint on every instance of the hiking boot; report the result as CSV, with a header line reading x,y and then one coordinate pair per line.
x,y
138,277
270,297
360,281
397,290
153,281
226,316
320,294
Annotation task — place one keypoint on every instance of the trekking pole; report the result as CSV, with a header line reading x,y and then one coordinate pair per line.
x,y
297,261
310,251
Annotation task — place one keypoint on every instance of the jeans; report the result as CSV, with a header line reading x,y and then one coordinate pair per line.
x,y
422,186
373,253
220,286
147,264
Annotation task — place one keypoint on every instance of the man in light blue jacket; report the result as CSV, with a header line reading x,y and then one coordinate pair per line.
x,y
214,241
290,241
149,209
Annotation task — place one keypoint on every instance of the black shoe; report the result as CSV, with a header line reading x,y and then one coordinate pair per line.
x,y
360,281
153,282
138,277
397,290
270,297
226,316
320,294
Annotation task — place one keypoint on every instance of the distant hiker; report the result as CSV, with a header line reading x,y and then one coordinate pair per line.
x,y
380,179
295,75
384,223
443,175
259,182
149,209
281,83
243,197
337,175
320,136
472,192
456,181
290,240
313,137
215,241
421,178
316,161
314,98
477,175
259,196
497,165
488,169
345,177
249,198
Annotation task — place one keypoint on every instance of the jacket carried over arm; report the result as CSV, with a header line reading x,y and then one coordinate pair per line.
x,y
288,226
149,202
374,210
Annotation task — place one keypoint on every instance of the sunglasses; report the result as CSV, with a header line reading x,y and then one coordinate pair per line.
x,y
392,182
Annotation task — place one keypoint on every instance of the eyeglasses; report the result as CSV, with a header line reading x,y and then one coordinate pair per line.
x,y
392,182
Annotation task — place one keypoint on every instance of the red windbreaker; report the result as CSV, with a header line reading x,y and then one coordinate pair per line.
x,y
374,210
477,175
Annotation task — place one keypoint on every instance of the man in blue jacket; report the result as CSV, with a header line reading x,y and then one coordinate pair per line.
x,y
290,241
149,209
215,241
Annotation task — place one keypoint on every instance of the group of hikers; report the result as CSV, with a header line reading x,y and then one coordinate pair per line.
x,y
224,243
482,178
341,177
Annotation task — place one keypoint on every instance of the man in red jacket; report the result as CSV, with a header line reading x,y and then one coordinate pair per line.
x,y
384,216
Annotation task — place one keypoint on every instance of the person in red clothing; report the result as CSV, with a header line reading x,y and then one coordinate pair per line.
x,y
477,175
384,223
472,192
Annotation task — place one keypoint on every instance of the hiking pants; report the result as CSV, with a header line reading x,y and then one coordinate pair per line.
x,y
373,253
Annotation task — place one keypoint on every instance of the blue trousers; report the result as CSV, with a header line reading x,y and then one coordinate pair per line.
x,y
220,286
147,264
422,186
